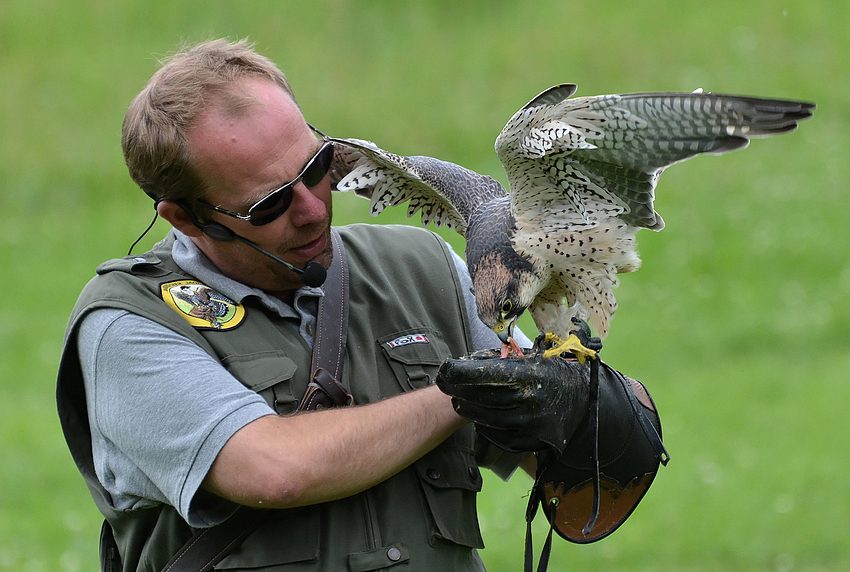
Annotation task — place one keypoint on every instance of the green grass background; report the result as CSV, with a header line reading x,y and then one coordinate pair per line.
x,y
738,321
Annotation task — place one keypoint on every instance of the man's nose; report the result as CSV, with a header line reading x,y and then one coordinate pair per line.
x,y
306,207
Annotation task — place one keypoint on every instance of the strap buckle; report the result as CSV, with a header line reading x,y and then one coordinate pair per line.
x,y
324,392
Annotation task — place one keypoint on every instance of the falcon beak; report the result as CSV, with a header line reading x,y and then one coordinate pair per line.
x,y
505,330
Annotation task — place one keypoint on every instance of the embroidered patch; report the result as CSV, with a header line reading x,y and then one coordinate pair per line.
x,y
201,306
409,339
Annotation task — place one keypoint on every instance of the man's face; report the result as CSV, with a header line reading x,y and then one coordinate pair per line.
x,y
243,155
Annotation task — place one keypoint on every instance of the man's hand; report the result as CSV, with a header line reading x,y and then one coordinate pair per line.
x,y
520,404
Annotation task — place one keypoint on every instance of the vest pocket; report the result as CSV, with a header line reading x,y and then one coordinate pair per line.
x,y
450,480
286,538
268,373
414,355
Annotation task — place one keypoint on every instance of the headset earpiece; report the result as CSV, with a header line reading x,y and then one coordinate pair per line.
x,y
213,230
217,231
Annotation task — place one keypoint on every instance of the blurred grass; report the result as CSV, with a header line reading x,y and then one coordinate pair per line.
x,y
738,321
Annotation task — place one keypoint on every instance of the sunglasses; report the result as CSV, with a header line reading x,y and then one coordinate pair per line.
x,y
276,202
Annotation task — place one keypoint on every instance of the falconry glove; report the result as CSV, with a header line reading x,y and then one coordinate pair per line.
x,y
596,434
520,404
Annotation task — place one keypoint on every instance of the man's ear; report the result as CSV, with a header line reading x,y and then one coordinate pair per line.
x,y
177,217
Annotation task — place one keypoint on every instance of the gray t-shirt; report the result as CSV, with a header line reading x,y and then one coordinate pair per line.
x,y
160,408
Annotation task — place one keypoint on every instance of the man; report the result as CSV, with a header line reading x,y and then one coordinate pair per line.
x,y
179,432
184,368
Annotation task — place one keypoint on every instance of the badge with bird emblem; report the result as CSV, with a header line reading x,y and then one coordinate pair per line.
x,y
201,306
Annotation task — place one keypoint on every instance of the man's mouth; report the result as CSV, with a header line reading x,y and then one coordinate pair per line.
x,y
309,250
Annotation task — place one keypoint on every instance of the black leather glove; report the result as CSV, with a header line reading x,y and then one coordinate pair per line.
x,y
520,404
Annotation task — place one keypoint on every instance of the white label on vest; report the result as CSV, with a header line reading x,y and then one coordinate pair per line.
x,y
409,339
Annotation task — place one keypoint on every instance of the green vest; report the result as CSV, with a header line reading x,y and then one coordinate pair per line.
x,y
403,283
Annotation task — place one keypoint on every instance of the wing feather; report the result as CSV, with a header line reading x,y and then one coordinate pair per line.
x,y
605,154
443,193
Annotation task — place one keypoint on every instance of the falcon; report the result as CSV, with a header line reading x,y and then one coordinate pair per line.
x,y
582,174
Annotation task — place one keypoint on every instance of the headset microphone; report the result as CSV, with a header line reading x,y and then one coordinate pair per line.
x,y
313,274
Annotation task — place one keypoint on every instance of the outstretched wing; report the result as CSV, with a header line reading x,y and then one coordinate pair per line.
x,y
583,173
445,193
572,162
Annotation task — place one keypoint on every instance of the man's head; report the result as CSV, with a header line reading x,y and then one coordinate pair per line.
x,y
154,133
238,137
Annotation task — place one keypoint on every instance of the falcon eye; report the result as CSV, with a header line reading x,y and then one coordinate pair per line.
x,y
507,305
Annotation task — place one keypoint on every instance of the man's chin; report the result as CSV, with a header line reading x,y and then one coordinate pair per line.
x,y
325,257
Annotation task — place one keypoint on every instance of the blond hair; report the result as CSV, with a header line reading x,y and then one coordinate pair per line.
x,y
153,135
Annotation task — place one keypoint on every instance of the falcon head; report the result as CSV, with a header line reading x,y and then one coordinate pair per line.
x,y
498,296
504,285
504,282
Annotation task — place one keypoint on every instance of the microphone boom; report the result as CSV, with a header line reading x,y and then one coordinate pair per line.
x,y
313,274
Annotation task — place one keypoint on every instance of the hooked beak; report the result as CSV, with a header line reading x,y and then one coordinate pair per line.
x,y
505,330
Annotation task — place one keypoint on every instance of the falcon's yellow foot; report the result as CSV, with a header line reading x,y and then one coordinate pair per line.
x,y
571,344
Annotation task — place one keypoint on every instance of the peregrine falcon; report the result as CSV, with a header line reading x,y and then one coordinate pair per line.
x,y
582,175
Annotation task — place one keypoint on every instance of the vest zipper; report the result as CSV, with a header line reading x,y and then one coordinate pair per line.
x,y
370,517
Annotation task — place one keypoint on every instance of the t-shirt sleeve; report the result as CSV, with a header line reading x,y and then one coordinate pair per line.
x,y
160,410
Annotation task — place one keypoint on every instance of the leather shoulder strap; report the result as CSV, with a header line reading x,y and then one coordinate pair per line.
x,y
209,546
326,388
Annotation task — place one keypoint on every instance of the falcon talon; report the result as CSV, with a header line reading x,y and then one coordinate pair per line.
x,y
572,344
583,333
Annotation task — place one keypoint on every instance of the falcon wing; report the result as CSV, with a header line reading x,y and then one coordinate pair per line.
x,y
445,193
572,162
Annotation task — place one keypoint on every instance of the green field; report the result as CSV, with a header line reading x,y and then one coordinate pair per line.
x,y
739,320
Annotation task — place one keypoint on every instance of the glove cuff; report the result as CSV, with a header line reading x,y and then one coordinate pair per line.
x,y
629,454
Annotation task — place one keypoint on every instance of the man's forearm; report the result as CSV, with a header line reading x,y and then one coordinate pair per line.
x,y
280,462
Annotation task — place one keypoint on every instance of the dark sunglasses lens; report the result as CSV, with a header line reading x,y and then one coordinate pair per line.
x,y
319,166
271,207
277,202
